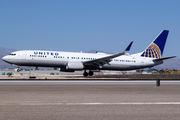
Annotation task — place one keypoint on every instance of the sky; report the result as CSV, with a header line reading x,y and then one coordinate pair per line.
x,y
83,25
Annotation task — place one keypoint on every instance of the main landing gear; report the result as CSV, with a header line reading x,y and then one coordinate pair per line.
x,y
91,73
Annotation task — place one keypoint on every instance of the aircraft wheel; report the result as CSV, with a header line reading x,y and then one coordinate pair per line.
x,y
91,73
18,70
85,74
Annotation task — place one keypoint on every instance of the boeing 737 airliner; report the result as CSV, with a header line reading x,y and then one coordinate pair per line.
x,y
73,61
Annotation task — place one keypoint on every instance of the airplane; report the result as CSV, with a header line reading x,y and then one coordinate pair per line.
x,y
74,61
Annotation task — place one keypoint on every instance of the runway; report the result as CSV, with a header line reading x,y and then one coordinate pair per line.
x,y
89,100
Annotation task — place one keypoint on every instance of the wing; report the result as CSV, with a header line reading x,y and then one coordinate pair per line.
x,y
98,63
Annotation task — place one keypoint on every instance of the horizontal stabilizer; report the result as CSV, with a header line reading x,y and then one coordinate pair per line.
x,y
160,59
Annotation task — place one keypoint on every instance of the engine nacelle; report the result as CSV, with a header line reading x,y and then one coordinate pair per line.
x,y
65,70
74,66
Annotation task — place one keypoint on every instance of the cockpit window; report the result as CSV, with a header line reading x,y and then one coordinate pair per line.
x,y
12,54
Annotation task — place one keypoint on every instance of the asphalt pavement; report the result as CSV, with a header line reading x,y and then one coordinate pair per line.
x,y
83,100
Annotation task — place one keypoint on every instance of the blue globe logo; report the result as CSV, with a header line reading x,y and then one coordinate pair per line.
x,y
152,51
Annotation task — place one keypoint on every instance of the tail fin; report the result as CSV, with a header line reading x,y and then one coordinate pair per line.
x,y
156,48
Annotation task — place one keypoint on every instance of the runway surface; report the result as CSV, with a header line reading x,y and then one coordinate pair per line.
x,y
80,100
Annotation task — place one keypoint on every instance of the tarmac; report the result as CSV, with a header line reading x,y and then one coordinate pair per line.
x,y
86,99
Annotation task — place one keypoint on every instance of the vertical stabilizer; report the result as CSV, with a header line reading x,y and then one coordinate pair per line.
x,y
156,48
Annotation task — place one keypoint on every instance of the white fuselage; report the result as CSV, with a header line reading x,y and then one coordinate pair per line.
x,y
58,59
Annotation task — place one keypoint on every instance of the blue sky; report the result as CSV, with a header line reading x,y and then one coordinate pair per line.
x,y
83,25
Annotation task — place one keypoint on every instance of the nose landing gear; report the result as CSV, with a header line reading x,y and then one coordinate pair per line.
x,y
17,69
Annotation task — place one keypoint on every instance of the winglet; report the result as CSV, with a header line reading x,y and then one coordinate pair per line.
x,y
128,48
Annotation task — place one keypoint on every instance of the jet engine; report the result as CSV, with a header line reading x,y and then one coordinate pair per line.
x,y
74,66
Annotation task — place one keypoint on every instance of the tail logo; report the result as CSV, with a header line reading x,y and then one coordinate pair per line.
x,y
153,51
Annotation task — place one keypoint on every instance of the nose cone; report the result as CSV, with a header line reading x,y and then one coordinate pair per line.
x,y
5,58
